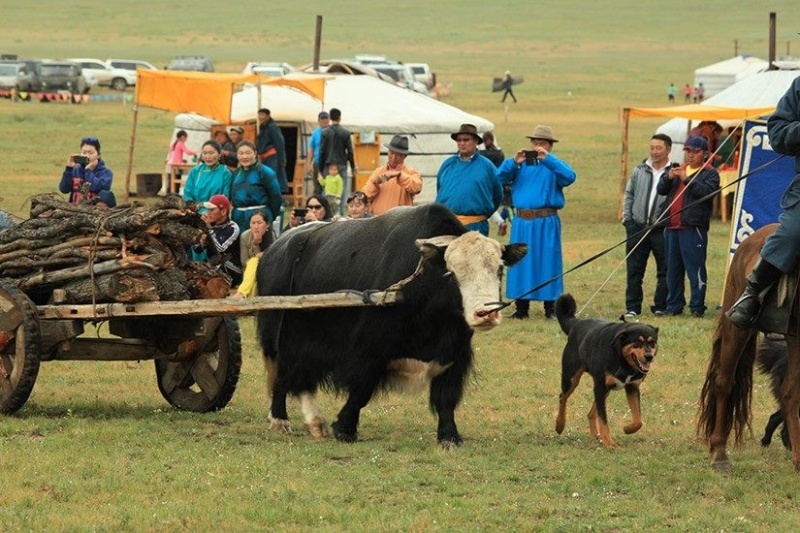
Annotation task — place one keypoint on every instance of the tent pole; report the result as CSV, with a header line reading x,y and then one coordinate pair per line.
x,y
130,153
626,115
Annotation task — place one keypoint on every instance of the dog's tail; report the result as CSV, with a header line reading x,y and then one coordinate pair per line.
x,y
772,359
565,312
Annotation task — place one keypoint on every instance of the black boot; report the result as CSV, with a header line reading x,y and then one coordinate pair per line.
x,y
523,307
549,309
744,312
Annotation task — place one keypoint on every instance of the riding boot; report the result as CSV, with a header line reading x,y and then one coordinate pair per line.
x,y
745,311
523,308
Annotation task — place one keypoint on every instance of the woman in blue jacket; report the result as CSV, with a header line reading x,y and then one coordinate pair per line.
x,y
210,177
255,188
85,174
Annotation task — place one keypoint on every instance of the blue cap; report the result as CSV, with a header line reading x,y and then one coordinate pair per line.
x,y
107,197
696,143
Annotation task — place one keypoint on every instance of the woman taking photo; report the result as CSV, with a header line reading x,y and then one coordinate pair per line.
x,y
209,177
255,188
85,174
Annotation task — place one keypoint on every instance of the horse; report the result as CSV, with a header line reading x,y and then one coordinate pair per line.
x,y
725,400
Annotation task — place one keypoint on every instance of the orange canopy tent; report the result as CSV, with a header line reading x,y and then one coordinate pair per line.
x,y
204,93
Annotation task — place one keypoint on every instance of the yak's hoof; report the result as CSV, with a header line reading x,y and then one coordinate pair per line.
x,y
318,428
450,443
344,436
280,424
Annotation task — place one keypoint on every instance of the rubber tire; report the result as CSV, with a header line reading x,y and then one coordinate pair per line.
x,y
185,397
24,367
119,84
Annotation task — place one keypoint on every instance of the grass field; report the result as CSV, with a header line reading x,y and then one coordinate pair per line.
x,y
97,448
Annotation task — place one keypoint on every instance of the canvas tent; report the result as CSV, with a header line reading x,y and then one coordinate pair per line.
x,y
369,106
723,74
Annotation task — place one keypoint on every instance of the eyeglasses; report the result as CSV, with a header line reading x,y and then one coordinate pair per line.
x,y
313,206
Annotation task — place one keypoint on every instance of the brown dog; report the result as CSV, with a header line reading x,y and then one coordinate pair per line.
x,y
616,354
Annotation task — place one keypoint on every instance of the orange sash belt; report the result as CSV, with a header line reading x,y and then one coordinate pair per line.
x,y
471,219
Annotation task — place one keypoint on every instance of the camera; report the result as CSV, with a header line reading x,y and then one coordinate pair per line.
x,y
81,160
531,157
300,213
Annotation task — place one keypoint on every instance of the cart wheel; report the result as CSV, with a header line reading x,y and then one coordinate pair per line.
x,y
207,382
19,348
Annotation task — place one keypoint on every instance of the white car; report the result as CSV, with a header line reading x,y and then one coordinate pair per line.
x,y
272,69
130,64
116,78
422,73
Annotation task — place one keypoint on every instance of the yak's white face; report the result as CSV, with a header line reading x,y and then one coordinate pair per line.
x,y
475,262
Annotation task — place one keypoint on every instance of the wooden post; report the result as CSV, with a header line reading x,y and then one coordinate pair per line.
x,y
317,42
626,115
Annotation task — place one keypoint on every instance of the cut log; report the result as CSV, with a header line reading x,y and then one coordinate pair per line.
x,y
127,286
59,277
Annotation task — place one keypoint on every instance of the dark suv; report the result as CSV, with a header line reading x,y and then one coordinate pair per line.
x,y
192,63
61,75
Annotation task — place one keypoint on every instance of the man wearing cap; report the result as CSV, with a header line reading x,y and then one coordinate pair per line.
x,y
686,234
394,183
221,248
466,182
271,147
312,159
781,251
537,179
229,158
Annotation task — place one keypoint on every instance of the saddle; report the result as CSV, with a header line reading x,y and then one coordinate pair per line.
x,y
779,306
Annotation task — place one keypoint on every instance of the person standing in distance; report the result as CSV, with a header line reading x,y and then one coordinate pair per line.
x,y
312,159
466,182
537,179
271,147
643,207
336,146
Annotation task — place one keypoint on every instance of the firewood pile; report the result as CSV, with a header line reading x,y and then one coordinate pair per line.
x,y
89,254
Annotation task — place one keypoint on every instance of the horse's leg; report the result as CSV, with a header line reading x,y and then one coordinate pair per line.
x,y
790,395
733,344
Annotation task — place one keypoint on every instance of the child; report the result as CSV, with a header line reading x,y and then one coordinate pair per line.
x,y
333,185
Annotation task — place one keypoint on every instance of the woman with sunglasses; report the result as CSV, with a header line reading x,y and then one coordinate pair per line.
x,y
255,188
318,209
85,174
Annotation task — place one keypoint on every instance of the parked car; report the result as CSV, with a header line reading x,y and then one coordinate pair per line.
x,y
191,63
130,64
16,76
62,75
401,74
116,78
273,69
33,69
422,73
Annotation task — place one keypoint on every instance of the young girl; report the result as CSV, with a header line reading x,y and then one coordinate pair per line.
x,y
175,156
85,174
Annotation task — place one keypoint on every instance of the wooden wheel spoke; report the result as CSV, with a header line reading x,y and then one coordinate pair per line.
x,y
5,380
205,377
174,375
11,320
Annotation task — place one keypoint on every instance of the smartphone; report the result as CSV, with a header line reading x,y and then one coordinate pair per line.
x,y
531,157
81,160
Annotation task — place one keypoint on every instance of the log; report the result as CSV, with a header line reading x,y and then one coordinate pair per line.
x,y
42,249
45,280
126,286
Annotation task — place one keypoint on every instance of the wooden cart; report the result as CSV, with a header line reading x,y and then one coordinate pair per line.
x,y
195,344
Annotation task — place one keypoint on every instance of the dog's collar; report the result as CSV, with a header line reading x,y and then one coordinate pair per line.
x,y
628,375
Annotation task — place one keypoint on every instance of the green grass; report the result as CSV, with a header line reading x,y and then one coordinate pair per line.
x,y
97,448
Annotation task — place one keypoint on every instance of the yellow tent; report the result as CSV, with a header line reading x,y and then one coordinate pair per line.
x,y
204,93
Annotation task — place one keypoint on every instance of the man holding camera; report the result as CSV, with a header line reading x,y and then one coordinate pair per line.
x,y
85,174
538,179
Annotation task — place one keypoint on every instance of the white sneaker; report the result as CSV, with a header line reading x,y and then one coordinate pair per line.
x,y
631,314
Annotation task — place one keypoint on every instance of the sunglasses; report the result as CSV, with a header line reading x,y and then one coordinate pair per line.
x,y
313,206
357,196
